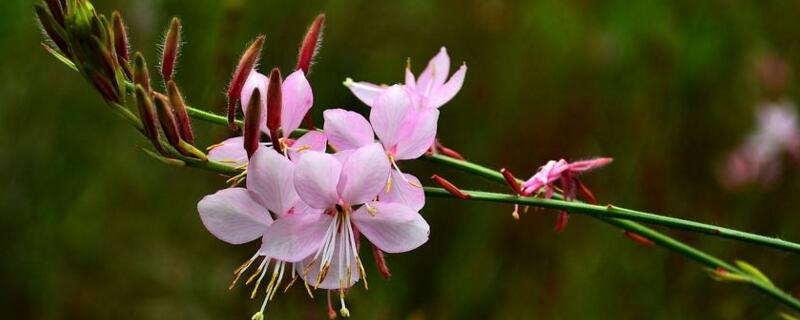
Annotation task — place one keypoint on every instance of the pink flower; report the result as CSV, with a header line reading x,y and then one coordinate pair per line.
x,y
231,151
326,245
759,158
567,173
240,215
431,90
297,99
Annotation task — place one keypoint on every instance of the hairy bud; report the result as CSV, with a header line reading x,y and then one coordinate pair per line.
x,y
246,64
140,74
147,114
252,123
53,30
274,101
171,49
167,118
311,44
121,45
184,123
57,10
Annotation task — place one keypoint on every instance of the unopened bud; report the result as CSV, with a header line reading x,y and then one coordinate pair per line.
x,y
147,114
105,87
140,74
53,30
107,60
167,118
252,124
274,102
723,275
246,64
450,187
184,123
753,271
380,261
121,45
171,49
56,8
511,180
311,44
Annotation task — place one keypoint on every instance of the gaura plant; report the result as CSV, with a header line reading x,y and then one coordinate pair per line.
x,y
316,196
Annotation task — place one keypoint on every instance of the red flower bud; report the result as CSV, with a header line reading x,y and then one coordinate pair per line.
x,y
184,123
246,64
274,102
311,44
53,30
147,114
450,187
140,74
171,49
57,10
380,261
511,180
120,37
252,124
167,118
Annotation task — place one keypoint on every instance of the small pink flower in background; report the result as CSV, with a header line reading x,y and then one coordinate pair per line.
x,y
241,215
326,244
404,132
431,89
543,182
759,158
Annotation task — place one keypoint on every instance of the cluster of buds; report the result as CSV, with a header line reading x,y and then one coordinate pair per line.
x,y
98,48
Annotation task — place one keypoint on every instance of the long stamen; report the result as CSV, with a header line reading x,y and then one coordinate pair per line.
x,y
263,272
241,269
402,175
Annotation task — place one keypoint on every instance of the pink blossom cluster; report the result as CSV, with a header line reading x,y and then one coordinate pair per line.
x,y
310,200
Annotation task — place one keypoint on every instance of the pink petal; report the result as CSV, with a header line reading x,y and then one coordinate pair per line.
x,y
233,216
435,73
393,228
259,81
331,281
449,90
230,152
315,178
270,177
404,193
586,165
364,91
294,237
297,100
347,129
389,114
311,141
418,135
411,82
364,175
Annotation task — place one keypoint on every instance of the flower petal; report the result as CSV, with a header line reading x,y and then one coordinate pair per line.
x,y
389,114
449,90
364,91
270,176
347,129
418,135
435,74
315,178
404,193
230,152
294,237
364,175
297,100
256,81
233,215
393,228
311,141
586,165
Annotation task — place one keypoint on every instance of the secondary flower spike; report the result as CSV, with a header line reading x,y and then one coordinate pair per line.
x,y
243,69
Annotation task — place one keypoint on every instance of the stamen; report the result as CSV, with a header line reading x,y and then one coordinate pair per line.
x,y
331,312
372,210
258,282
402,176
241,269
343,311
515,214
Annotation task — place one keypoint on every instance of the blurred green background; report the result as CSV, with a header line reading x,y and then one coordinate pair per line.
x,y
93,229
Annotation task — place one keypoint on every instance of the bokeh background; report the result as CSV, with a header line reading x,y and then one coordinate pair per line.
x,y
93,229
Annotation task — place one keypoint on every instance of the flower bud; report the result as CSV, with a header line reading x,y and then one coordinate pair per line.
x,y
167,118
147,114
105,87
53,30
252,123
246,64
184,123
140,74
171,49
311,44
57,10
274,102
380,261
450,187
120,37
